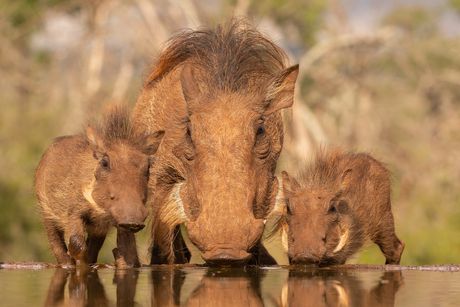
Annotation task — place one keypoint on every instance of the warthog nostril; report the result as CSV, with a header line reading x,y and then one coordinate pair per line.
x,y
305,260
131,227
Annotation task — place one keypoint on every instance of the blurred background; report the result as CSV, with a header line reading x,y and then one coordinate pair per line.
x,y
379,77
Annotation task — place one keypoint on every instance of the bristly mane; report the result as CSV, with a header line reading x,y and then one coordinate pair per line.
x,y
116,127
230,56
323,170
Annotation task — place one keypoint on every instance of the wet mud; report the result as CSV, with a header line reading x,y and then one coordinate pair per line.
x,y
17,265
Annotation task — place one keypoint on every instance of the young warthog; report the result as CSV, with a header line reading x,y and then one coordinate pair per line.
x,y
337,203
218,93
94,182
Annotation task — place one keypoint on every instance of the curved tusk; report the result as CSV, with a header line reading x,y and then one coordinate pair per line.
x,y
284,239
343,241
279,201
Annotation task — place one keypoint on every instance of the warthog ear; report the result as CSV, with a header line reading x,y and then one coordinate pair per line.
x,y
345,181
290,185
152,142
190,88
95,141
280,90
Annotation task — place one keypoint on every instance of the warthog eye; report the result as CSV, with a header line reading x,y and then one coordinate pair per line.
x,y
105,164
260,130
288,206
262,145
333,206
338,206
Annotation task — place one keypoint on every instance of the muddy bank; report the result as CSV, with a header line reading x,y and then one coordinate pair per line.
x,y
434,267
27,265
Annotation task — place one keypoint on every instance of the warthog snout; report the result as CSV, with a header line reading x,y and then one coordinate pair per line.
x,y
130,218
131,227
225,246
306,259
298,254
219,257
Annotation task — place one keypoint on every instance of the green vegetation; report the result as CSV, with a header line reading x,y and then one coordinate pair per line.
x,y
303,17
394,92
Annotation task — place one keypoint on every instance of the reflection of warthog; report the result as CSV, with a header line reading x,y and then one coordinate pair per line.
x,y
221,288
335,205
322,288
167,284
86,289
206,287
94,182
173,286
218,93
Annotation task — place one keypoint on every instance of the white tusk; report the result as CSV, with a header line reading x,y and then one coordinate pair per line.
x,y
284,239
343,241
279,201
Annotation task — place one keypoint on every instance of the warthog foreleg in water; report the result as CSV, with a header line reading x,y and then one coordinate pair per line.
x,y
94,244
77,244
126,252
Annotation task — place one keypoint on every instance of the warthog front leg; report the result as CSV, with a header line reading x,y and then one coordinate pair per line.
x,y
94,245
57,243
77,244
126,252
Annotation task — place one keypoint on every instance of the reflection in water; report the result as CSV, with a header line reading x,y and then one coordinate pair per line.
x,y
126,281
80,283
275,287
86,289
200,286
206,287
327,288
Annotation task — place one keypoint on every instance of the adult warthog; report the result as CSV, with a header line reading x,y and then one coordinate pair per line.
x,y
218,93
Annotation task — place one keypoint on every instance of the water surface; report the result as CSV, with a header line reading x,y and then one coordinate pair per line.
x,y
251,286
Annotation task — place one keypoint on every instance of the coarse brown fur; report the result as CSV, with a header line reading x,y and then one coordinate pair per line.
x,y
218,93
336,204
90,183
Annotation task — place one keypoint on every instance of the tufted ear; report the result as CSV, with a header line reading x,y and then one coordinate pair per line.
x,y
345,181
190,88
95,141
280,90
290,185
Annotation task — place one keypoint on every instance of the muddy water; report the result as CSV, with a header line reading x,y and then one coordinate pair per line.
x,y
201,286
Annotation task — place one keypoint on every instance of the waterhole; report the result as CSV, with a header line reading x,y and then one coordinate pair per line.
x,y
351,285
